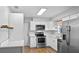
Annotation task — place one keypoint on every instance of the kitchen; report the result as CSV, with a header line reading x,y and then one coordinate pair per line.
x,y
24,30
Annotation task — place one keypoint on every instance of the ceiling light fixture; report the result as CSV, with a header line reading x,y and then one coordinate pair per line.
x,y
41,11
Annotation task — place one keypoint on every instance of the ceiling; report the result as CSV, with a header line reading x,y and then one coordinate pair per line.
x,y
31,11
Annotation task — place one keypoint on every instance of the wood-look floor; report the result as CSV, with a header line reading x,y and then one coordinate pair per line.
x,y
39,50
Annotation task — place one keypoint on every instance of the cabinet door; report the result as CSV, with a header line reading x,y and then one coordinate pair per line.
x,y
16,34
52,42
32,42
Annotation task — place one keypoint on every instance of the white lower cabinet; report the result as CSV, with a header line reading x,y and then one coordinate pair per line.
x,y
52,42
32,42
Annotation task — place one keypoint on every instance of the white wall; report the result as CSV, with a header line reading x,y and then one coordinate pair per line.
x,y
26,34
16,35
26,30
13,37
3,20
74,33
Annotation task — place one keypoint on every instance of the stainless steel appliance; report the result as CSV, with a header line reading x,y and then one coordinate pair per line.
x,y
70,32
40,27
40,37
40,40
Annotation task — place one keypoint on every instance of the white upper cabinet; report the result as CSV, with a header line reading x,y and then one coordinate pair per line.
x,y
48,25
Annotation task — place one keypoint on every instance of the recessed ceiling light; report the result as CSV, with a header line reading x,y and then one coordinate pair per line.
x,y
41,11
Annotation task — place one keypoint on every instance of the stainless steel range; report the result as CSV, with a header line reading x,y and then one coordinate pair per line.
x,y
40,39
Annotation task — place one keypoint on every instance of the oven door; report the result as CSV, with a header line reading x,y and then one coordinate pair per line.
x,y
41,40
41,43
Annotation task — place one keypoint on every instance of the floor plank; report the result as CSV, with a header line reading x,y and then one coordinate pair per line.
x,y
39,50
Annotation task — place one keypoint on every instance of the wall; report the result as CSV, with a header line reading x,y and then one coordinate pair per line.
x,y
3,20
11,37
26,30
74,36
16,35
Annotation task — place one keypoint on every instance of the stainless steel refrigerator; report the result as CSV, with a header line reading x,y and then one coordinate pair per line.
x,y
70,42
